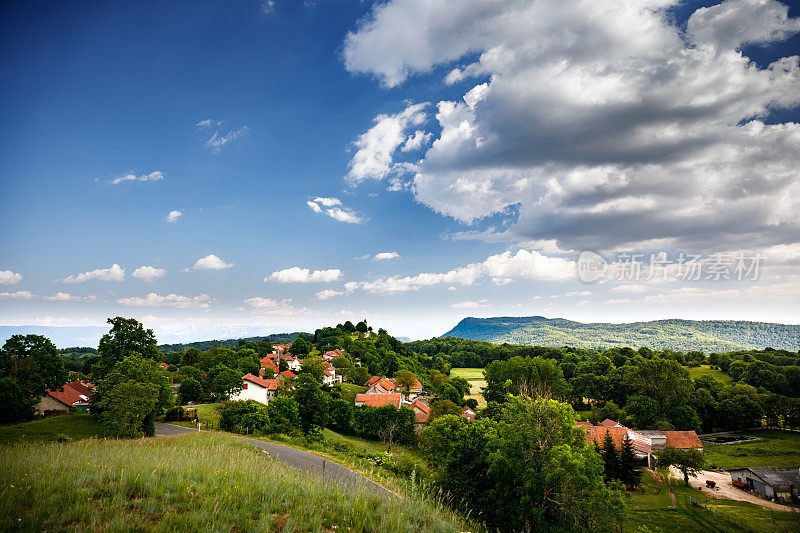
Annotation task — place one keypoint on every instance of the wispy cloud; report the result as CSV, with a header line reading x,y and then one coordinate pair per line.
x,y
112,273
333,208
209,122
148,273
8,277
217,141
211,262
67,297
170,300
469,304
304,275
153,176
174,215
267,6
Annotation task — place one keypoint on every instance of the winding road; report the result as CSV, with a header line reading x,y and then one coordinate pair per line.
x,y
299,459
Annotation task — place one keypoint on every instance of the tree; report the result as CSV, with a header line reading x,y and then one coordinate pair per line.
x,y
389,432
441,407
405,379
127,337
361,327
130,398
282,365
33,364
644,412
341,415
688,461
269,373
358,375
610,458
224,381
663,380
547,476
284,415
739,412
299,347
629,472
312,403
313,366
190,390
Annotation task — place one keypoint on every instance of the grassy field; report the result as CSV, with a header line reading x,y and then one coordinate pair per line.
x,y
653,509
349,391
190,483
475,378
778,449
705,370
74,426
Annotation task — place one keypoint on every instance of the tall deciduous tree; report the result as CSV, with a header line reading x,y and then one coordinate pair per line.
x,y
29,365
311,401
127,337
130,398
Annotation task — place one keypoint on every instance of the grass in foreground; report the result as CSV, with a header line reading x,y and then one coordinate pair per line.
x,y
192,483
74,426
778,449
654,510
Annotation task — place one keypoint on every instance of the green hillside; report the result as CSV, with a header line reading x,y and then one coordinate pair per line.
x,y
683,335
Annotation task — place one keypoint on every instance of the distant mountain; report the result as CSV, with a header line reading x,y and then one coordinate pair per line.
x,y
683,335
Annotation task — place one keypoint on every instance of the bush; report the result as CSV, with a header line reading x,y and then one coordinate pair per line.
x,y
244,416
284,415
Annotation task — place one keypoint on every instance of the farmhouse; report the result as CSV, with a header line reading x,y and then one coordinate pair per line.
x,y
645,443
378,400
770,483
73,396
258,389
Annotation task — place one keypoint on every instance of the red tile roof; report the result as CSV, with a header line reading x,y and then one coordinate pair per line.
x,y
288,374
269,384
377,400
468,413
598,434
372,381
609,423
69,396
683,439
82,388
421,410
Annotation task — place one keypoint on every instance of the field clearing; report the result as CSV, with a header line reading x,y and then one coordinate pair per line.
x,y
475,378
777,449
705,370
73,426
200,482
653,509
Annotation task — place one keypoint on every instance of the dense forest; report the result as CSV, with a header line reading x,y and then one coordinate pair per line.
x,y
683,335
274,338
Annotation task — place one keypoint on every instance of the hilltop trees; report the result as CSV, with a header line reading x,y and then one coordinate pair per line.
x,y
29,365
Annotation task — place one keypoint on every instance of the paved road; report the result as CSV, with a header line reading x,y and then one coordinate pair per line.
x,y
302,460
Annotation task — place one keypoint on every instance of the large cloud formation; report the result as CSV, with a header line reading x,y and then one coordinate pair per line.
x,y
598,124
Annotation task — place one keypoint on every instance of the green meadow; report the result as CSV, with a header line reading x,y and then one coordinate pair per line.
x,y
201,482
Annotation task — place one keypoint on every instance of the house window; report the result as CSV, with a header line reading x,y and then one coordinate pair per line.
x,y
244,386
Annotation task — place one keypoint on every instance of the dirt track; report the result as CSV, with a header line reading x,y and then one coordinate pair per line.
x,y
724,490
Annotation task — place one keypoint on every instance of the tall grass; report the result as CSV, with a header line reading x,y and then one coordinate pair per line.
x,y
194,482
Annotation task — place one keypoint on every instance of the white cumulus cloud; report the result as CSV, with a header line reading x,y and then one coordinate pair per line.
x,y
18,295
148,273
67,297
211,262
304,275
383,256
173,216
597,124
112,273
8,277
333,208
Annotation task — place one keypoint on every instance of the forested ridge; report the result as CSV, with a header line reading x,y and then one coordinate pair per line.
x,y
675,334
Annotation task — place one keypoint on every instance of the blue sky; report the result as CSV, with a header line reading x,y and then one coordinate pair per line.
x,y
480,146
